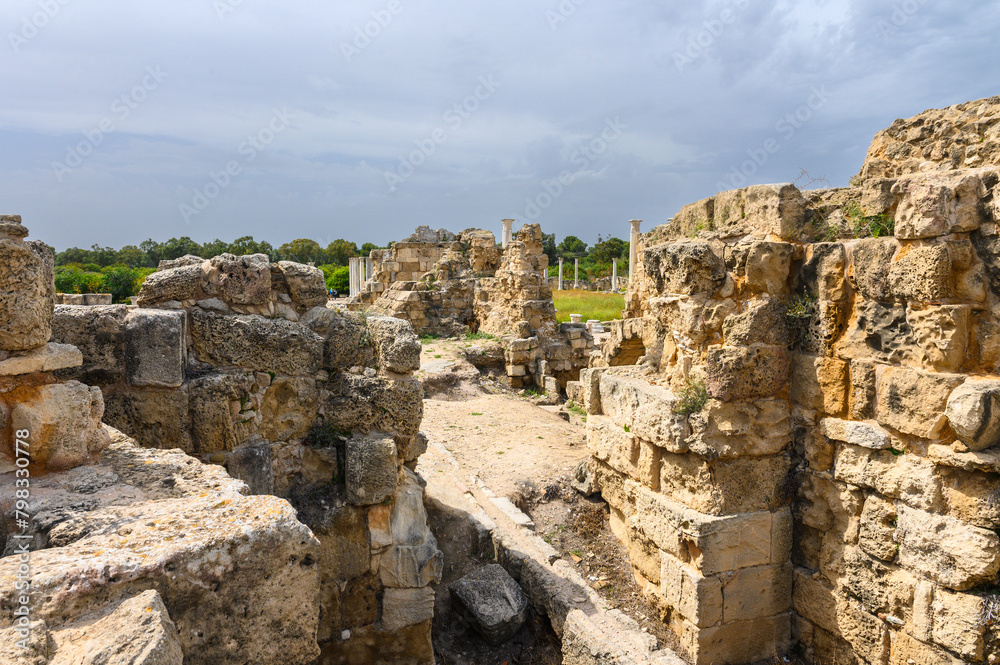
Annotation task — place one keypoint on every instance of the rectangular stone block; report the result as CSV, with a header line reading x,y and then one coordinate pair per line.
x,y
156,419
257,343
907,650
741,429
99,333
819,383
724,487
753,593
815,601
646,409
957,623
155,348
896,474
740,642
696,597
856,433
957,555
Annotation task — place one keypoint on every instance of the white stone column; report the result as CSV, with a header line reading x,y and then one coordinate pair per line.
x,y
355,275
560,273
633,248
508,232
370,263
350,277
364,273
614,275
576,273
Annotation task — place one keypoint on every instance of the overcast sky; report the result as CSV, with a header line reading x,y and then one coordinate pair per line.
x,y
124,120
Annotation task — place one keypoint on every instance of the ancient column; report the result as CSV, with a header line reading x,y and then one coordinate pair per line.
x,y
560,273
364,273
576,273
352,265
633,243
508,232
370,264
614,275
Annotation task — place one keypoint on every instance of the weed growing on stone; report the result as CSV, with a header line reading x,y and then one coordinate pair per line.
x,y
864,226
429,338
478,335
573,407
692,398
989,608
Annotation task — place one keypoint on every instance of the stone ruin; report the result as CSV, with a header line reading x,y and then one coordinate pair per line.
x,y
798,434
450,285
237,362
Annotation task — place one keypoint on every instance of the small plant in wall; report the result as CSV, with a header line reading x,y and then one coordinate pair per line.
x,y
799,311
692,398
989,613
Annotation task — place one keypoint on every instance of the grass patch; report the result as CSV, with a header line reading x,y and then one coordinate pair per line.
x,y
428,339
479,335
590,304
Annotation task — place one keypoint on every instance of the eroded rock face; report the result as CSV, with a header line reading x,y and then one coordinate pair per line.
x,y
27,294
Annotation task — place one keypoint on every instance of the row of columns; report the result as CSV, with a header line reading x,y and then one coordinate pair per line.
x,y
632,254
360,272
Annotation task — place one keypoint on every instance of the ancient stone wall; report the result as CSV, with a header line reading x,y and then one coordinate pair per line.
x,y
238,362
807,452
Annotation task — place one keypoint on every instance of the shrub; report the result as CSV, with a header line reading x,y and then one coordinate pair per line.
x,y
692,398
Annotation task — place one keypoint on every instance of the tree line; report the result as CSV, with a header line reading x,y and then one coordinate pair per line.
x,y
595,262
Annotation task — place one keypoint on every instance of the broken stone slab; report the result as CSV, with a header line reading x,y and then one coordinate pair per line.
x,y
27,294
181,283
186,260
243,280
857,433
136,631
256,342
937,203
686,268
63,421
49,358
406,607
396,345
492,601
305,283
973,410
155,348
372,469
746,373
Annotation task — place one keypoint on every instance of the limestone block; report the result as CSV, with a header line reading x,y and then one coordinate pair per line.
x,y
646,409
27,294
396,345
740,429
347,342
251,463
289,408
215,400
914,402
767,267
867,435
761,591
48,358
694,216
956,623
306,284
926,337
186,260
590,385
883,588
922,272
866,633
63,421
136,631
815,601
819,383
411,566
828,506
862,396
243,280
823,273
622,451
824,328
907,650
685,267
877,536
900,476
761,322
872,259
99,333
774,209
746,373
373,404
406,607
696,597
372,469
155,348
35,646
256,343
937,203
492,601
973,410
957,555
682,316
740,642
971,496
182,283
156,419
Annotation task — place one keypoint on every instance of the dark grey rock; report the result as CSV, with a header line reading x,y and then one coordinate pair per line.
x,y
155,348
492,601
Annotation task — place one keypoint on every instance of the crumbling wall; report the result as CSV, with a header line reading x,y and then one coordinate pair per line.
x,y
238,362
816,421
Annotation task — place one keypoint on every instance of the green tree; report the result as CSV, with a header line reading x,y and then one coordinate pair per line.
x,y
612,248
247,245
340,250
119,281
366,249
178,247
214,248
340,280
131,256
153,251
549,247
302,250
572,246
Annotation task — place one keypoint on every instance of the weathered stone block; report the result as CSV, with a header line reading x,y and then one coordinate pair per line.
x,y
646,409
767,267
907,650
183,283
761,591
376,404
63,421
819,383
870,267
99,333
957,555
155,348
957,623
156,419
740,429
372,469
746,373
856,433
257,343
894,474
251,463
48,358
774,209
973,410
822,275
922,272
877,536
866,633
493,602
687,267
347,342
243,280
762,321
216,402
305,283
289,408
406,607
396,345
862,397
739,642
622,451
27,294
815,601
914,402
937,203
696,597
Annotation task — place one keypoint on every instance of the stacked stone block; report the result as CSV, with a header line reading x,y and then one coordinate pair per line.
x,y
238,362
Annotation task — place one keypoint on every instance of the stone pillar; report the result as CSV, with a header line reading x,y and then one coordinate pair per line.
x,y
352,265
614,275
560,273
370,264
27,304
508,232
633,243
576,273
364,274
